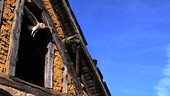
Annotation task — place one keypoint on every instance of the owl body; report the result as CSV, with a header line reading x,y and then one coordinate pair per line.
x,y
36,28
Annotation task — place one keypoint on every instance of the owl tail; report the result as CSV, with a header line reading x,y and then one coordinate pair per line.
x,y
30,27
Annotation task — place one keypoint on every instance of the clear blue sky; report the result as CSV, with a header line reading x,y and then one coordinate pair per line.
x,y
131,41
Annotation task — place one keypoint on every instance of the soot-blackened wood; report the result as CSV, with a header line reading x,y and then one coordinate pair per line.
x,y
85,85
14,38
1,9
49,61
65,80
67,61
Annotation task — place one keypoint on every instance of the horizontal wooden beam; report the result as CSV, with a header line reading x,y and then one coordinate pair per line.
x,y
27,87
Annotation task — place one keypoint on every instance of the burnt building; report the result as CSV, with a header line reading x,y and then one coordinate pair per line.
x,y
54,61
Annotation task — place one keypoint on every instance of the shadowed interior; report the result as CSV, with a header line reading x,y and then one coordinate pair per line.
x,y
31,54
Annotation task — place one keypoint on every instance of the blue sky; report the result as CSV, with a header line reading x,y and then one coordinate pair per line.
x,y
131,41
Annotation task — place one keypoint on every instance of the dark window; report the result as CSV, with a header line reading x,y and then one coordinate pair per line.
x,y
31,54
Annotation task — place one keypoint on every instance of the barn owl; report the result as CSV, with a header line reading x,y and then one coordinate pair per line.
x,y
37,25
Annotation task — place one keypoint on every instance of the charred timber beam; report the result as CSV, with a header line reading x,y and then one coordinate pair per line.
x,y
67,61
14,38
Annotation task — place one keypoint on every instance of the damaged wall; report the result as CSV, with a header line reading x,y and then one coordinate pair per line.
x,y
58,61
5,32
7,18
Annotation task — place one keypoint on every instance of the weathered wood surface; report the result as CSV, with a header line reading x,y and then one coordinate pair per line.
x,y
49,61
63,52
83,45
65,80
27,87
74,23
78,60
85,85
14,38
1,9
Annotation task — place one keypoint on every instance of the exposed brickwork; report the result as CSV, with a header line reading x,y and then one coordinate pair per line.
x,y
71,87
58,61
58,71
7,18
55,18
8,15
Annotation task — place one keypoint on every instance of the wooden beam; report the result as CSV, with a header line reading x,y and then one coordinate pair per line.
x,y
1,9
27,87
49,62
65,80
85,85
95,62
83,45
67,61
78,60
14,38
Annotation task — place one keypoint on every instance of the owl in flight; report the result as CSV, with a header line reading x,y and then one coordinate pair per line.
x,y
36,25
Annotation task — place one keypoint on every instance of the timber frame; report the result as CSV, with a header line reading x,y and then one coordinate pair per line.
x,y
86,70
90,75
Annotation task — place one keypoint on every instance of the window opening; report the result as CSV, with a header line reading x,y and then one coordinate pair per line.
x,y
31,55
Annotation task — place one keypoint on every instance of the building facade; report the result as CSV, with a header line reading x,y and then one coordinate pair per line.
x,y
54,61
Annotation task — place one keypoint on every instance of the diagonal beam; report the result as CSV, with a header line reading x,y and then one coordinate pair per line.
x,y
67,61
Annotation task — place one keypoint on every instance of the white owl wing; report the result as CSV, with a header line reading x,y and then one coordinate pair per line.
x,y
31,16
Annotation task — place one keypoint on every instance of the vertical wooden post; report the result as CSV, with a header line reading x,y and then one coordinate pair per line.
x,y
1,9
14,38
78,61
49,61
65,80
63,52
